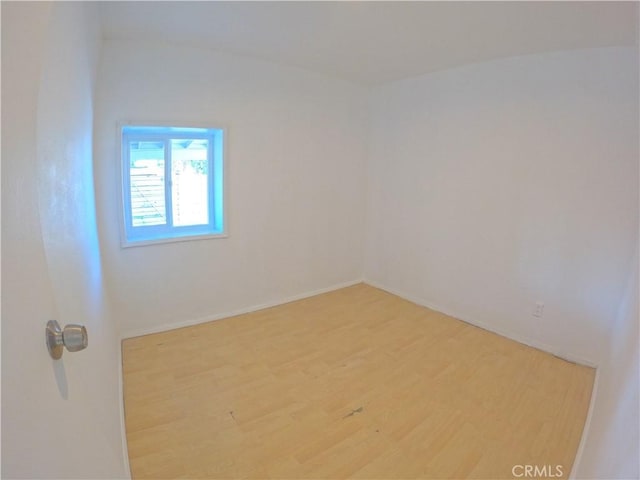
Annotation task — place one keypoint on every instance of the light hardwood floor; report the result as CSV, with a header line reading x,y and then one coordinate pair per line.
x,y
356,383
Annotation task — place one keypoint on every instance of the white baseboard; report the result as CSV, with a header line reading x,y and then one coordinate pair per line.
x,y
123,428
587,426
137,332
503,333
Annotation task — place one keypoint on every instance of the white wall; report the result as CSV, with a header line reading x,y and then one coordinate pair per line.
x,y
612,447
60,419
497,185
295,152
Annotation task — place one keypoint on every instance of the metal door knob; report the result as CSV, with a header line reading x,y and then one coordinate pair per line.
x,y
74,337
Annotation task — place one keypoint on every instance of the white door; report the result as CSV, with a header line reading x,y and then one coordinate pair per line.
x,y
60,419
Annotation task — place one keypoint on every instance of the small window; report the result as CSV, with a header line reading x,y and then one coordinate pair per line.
x,y
172,181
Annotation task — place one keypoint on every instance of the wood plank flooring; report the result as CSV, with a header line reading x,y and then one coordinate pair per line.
x,y
356,383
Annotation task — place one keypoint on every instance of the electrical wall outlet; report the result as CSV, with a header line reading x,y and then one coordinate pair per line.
x,y
538,309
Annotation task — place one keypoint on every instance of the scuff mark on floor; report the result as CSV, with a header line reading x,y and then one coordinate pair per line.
x,y
353,412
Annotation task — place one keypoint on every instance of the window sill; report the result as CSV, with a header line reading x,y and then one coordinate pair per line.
x,y
156,241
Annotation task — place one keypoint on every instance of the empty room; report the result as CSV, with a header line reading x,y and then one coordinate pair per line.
x,y
320,240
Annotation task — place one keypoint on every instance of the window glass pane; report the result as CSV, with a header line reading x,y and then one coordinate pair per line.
x,y
146,178
189,182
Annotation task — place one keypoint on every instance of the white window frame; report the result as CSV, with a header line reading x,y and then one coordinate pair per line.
x,y
132,236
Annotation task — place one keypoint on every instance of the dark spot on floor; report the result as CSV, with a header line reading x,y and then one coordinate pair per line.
x,y
353,412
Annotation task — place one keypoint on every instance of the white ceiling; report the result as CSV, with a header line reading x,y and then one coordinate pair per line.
x,y
376,42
